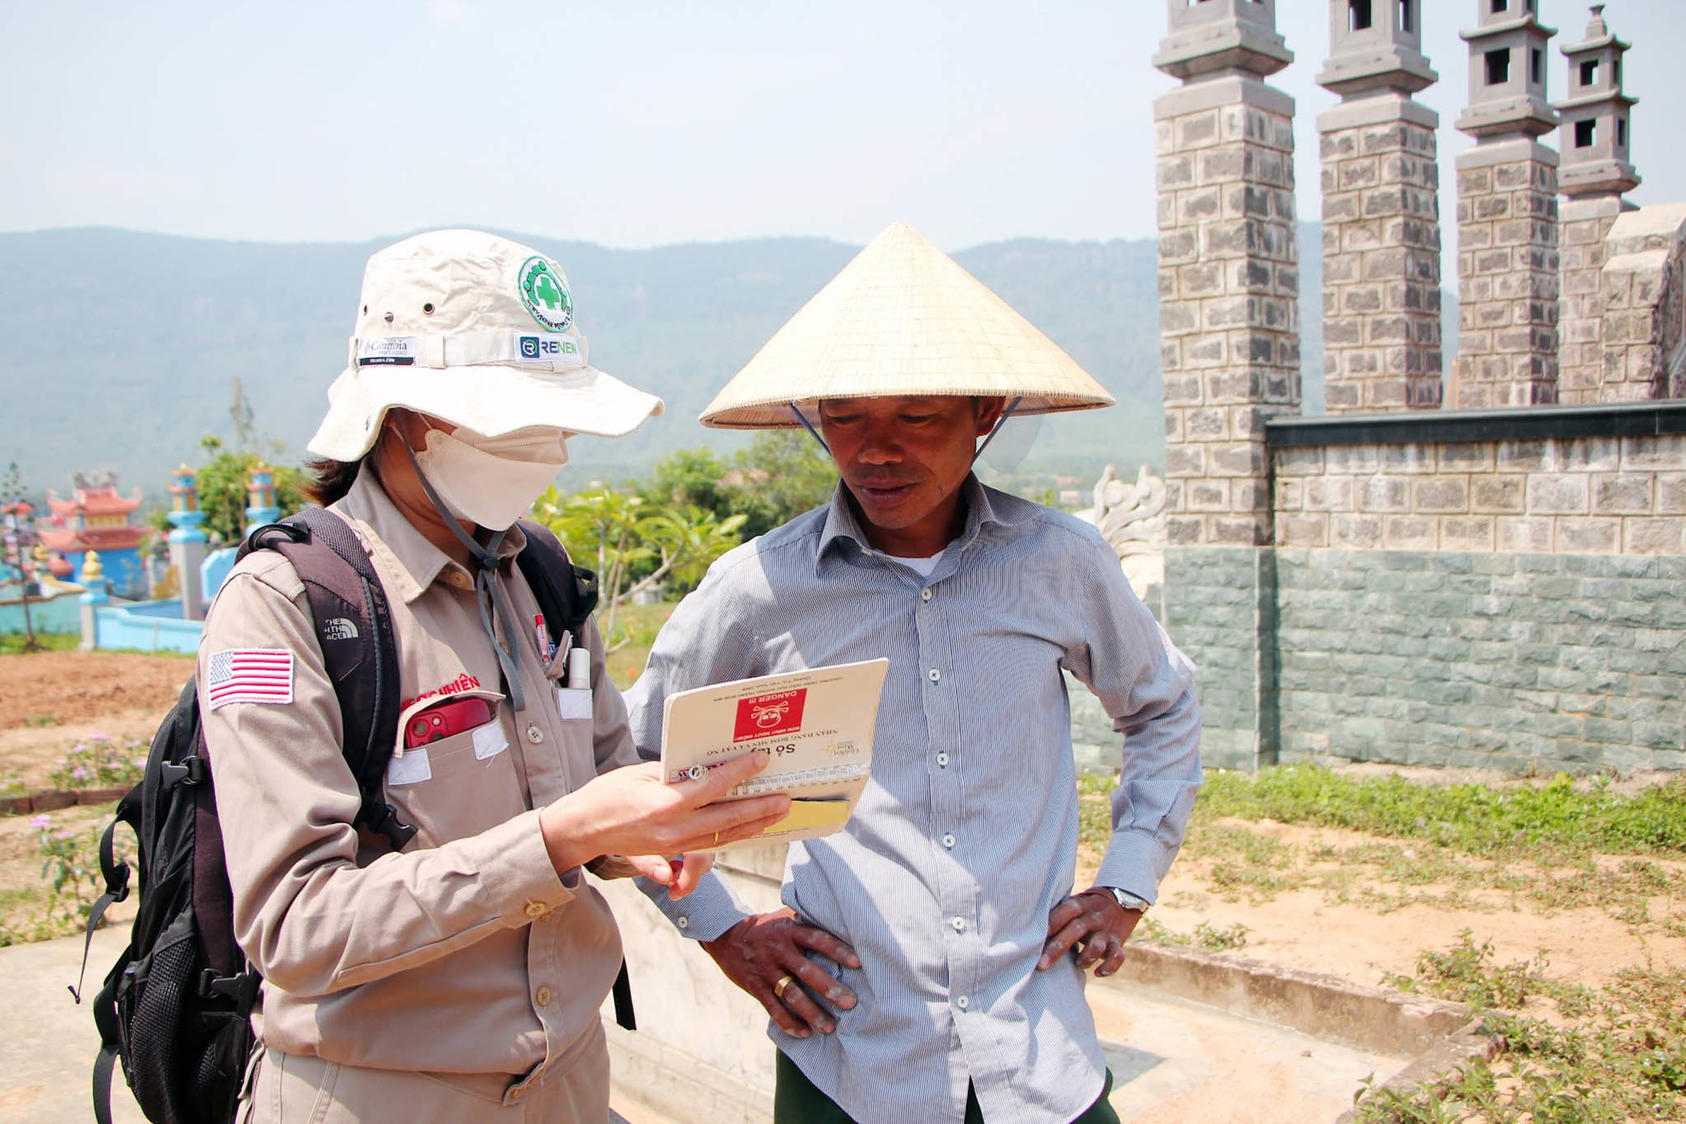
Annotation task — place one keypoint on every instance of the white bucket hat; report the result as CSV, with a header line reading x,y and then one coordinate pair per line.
x,y
478,331
902,318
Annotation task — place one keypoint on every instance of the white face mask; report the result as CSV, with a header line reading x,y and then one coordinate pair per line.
x,y
491,481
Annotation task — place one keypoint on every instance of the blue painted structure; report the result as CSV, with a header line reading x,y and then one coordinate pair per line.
x,y
149,626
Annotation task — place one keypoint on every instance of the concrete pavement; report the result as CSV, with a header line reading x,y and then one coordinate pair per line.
x,y
1176,1053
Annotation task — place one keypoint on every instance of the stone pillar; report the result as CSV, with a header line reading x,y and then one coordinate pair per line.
x,y
1507,216
1593,143
187,542
1381,213
93,596
1229,328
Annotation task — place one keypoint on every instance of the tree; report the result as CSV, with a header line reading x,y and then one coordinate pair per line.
x,y
634,543
224,490
20,538
783,473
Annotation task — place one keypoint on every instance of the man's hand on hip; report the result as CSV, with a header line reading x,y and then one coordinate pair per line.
x,y
1095,925
766,955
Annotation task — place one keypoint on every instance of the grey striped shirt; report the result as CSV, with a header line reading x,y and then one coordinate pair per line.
x,y
966,835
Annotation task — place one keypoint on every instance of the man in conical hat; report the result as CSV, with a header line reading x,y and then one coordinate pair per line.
x,y
929,961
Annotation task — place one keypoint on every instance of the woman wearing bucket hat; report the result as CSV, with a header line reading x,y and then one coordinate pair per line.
x,y
935,944
460,976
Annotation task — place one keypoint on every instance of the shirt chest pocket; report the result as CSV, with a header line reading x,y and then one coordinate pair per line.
x,y
460,782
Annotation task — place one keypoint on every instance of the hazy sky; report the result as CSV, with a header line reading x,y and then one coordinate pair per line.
x,y
643,123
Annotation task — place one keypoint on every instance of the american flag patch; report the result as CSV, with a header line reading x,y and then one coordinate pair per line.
x,y
256,675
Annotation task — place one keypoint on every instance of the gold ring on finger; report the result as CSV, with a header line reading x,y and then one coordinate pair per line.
x,y
778,988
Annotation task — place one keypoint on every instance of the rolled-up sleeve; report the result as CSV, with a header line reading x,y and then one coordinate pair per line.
x,y
1147,687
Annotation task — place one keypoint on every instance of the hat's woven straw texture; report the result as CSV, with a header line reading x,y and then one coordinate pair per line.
x,y
902,318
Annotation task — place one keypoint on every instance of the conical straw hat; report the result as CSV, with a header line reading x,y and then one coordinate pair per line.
x,y
902,318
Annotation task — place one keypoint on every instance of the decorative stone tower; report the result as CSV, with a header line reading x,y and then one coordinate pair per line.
x,y
1507,216
1596,171
1381,212
1229,330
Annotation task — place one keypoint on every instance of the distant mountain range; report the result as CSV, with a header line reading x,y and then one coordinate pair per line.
x,y
118,349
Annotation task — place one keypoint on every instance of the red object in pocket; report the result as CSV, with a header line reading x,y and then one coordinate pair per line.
x,y
444,719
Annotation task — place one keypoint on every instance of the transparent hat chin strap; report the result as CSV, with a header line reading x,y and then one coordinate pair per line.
x,y
999,422
809,426
487,584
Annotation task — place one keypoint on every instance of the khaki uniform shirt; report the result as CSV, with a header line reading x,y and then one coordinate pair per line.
x,y
464,953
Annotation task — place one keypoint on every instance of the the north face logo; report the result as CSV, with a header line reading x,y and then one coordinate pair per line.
x,y
340,628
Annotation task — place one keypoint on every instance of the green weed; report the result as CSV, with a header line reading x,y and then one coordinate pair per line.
x,y
1617,1053
1213,939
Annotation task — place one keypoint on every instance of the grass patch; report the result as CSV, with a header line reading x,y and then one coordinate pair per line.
x,y
635,630
1613,1054
13,643
1552,820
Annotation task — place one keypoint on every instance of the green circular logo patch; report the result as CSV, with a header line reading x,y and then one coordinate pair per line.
x,y
544,294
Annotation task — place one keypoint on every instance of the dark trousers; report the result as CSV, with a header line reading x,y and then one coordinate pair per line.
x,y
796,1100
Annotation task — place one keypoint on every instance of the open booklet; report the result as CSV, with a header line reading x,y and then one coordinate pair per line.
x,y
815,725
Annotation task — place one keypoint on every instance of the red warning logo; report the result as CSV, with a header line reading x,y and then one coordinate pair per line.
x,y
762,716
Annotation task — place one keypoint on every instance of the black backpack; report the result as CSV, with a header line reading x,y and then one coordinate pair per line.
x,y
174,1007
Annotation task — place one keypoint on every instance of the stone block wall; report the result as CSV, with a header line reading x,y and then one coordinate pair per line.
x,y
1507,277
1228,285
1593,495
1381,256
1583,225
1473,659
1224,619
1643,320
1508,603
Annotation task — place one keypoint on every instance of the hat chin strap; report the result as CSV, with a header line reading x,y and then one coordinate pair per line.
x,y
487,583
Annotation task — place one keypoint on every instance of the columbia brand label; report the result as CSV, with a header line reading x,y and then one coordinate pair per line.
x,y
761,716
546,349
387,351
253,675
544,294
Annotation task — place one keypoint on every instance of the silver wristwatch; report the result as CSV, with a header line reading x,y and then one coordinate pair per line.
x,y
1128,900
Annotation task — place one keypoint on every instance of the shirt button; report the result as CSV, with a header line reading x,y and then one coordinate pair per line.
x,y
683,922
948,841
535,735
459,580
934,675
963,1002
543,997
925,594
942,760
959,924
536,910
